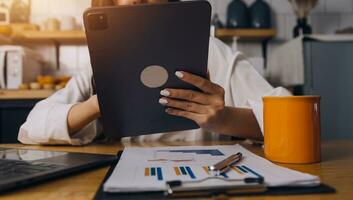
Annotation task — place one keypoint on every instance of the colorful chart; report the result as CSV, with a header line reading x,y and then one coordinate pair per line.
x,y
212,152
244,170
154,171
251,171
193,172
240,170
206,169
184,171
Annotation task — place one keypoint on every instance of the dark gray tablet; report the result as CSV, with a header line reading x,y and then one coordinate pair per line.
x,y
135,51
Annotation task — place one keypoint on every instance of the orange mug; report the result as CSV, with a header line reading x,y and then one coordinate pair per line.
x,y
292,129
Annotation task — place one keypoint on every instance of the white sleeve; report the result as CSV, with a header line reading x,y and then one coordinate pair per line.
x,y
244,86
47,122
247,87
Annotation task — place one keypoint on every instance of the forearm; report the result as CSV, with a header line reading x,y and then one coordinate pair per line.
x,y
81,114
240,122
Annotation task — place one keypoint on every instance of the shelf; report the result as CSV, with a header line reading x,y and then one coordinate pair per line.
x,y
24,94
5,40
246,34
55,37
79,37
50,36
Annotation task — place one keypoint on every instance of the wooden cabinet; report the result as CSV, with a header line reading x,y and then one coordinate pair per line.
x,y
15,105
13,114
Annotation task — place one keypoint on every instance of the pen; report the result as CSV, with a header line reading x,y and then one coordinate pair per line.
x,y
175,188
224,165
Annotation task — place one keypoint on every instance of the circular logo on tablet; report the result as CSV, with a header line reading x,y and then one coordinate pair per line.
x,y
154,76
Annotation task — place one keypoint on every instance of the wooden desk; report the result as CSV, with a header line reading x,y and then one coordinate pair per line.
x,y
336,169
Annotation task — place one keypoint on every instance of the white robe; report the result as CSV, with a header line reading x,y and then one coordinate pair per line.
x,y
244,87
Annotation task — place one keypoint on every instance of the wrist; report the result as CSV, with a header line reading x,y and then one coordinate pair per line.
x,y
93,105
224,118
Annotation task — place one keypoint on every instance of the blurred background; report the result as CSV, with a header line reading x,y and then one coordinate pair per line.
x,y
304,45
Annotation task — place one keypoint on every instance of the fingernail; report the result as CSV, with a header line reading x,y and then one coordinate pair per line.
x,y
165,93
163,101
179,74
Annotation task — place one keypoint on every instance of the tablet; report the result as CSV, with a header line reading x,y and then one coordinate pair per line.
x,y
135,51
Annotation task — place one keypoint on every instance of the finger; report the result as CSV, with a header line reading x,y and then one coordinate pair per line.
x,y
201,83
188,95
181,113
184,105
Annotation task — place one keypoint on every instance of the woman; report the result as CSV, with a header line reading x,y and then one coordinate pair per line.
x,y
229,104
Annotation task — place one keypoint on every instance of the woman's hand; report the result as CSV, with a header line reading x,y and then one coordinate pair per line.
x,y
206,108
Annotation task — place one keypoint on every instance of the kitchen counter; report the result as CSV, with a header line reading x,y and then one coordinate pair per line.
x,y
24,94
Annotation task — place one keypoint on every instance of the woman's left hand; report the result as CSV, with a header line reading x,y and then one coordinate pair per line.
x,y
206,108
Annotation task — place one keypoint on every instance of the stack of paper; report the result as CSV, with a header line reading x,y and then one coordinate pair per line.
x,y
148,169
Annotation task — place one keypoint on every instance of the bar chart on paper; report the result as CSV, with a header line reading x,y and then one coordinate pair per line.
x,y
155,172
237,171
190,165
195,172
148,169
184,171
167,173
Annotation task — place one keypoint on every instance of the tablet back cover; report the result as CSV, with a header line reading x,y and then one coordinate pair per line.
x,y
124,40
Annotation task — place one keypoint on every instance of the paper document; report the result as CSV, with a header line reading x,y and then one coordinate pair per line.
x,y
148,169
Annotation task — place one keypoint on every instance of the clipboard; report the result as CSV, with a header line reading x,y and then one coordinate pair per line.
x,y
272,191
